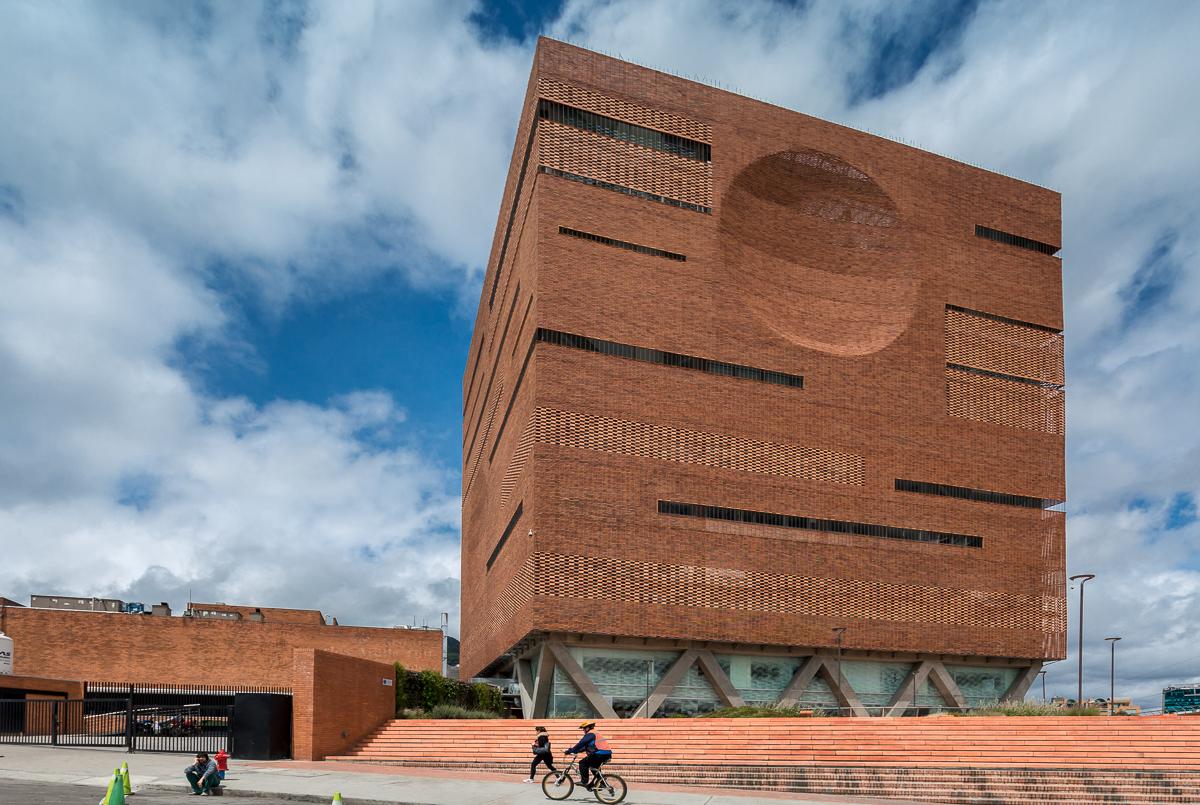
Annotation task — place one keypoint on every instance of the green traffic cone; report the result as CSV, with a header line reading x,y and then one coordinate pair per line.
x,y
337,797
125,777
118,794
108,794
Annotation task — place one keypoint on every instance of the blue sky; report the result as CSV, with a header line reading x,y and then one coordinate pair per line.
x,y
241,246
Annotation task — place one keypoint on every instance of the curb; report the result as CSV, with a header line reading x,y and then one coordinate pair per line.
x,y
237,792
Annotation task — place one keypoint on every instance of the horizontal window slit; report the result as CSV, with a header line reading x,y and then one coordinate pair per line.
x,y
621,244
1016,240
980,495
1002,376
816,524
620,130
629,191
667,358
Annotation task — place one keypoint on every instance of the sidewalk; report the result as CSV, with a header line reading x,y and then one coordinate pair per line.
x,y
359,784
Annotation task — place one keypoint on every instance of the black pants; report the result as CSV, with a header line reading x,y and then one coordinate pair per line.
x,y
547,758
588,763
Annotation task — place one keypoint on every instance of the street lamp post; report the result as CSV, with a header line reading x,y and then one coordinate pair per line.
x,y
1112,673
1042,674
841,630
1086,577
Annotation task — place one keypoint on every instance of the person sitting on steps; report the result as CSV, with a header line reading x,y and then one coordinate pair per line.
x,y
203,775
597,751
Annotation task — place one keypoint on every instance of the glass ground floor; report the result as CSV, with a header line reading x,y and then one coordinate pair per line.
x,y
559,679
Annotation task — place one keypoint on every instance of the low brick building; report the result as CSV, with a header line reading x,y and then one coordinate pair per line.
x,y
243,651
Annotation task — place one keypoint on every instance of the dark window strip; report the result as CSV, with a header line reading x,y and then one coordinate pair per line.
x,y
816,524
621,244
512,214
629,191
516,390
620,130
1004,319
980,495
471,385
1016,379
667,358
521,328
507,532
1015,240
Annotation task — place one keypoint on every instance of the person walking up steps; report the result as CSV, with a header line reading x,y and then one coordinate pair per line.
x,y
541,753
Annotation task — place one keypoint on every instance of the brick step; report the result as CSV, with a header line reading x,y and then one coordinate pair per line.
x,y
976,785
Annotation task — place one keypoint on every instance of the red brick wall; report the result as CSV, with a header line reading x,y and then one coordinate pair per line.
x,y
117,647
337,701
311,617
41,688
767,284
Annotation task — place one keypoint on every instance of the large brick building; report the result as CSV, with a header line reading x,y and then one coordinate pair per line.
x,y
742,379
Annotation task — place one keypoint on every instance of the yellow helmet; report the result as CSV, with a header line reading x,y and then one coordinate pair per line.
x,y
587,724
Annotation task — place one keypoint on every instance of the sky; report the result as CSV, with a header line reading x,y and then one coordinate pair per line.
x,y
242,243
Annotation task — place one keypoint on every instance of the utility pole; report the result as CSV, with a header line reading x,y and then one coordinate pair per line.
x,y
1086,577
1112,674
445,641
841,630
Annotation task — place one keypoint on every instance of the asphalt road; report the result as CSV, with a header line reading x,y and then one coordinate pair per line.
x,y
22,792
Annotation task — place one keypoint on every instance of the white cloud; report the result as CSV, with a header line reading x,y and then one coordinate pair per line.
x,y
303,148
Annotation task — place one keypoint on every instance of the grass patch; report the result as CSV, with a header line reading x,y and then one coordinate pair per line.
x,y
763,712
1031,708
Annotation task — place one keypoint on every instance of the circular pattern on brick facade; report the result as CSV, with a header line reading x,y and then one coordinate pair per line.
x,y
816,249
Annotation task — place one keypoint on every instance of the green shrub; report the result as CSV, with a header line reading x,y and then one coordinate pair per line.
x,y
454,711
486,698
1030,707
401,689
774,711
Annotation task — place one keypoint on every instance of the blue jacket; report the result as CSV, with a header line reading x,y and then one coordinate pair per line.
x,y
586,744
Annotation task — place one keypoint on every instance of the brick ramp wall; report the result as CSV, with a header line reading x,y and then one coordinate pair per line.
x,y
337,701
954,760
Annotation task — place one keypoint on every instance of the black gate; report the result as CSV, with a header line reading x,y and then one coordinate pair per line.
x,y
141,718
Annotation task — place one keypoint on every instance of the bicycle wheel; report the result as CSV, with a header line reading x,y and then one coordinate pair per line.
x,y
557,785
612,790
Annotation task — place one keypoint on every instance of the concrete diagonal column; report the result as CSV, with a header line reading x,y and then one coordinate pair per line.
x,y
525,685
581,681
946,686
720,682
543,682
1021,685
799,683
841,688
662,690
904,695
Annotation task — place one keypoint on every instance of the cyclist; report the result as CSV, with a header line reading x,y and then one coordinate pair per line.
x,y
597,751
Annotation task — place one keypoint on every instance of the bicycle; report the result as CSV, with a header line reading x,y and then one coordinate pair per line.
x,y
608,788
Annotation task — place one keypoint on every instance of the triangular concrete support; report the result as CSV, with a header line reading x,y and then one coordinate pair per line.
x,y
662,690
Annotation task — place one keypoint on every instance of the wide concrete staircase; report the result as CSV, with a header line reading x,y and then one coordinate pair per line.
x,y
981,761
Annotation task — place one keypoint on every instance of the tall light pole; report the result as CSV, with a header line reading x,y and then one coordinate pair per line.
x,y
1042,674
841,630
1112,673
1086,577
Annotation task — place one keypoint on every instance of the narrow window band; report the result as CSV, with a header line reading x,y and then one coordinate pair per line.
x,y
620,130
979,495
666,358
621,244
816,524
1005,319
1001,376
1016,240
507,533
629,191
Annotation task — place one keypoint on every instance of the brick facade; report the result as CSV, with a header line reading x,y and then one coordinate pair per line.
x,y
118,647
337,701
928,353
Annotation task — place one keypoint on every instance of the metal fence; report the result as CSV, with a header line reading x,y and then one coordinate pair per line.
x,y
113,722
